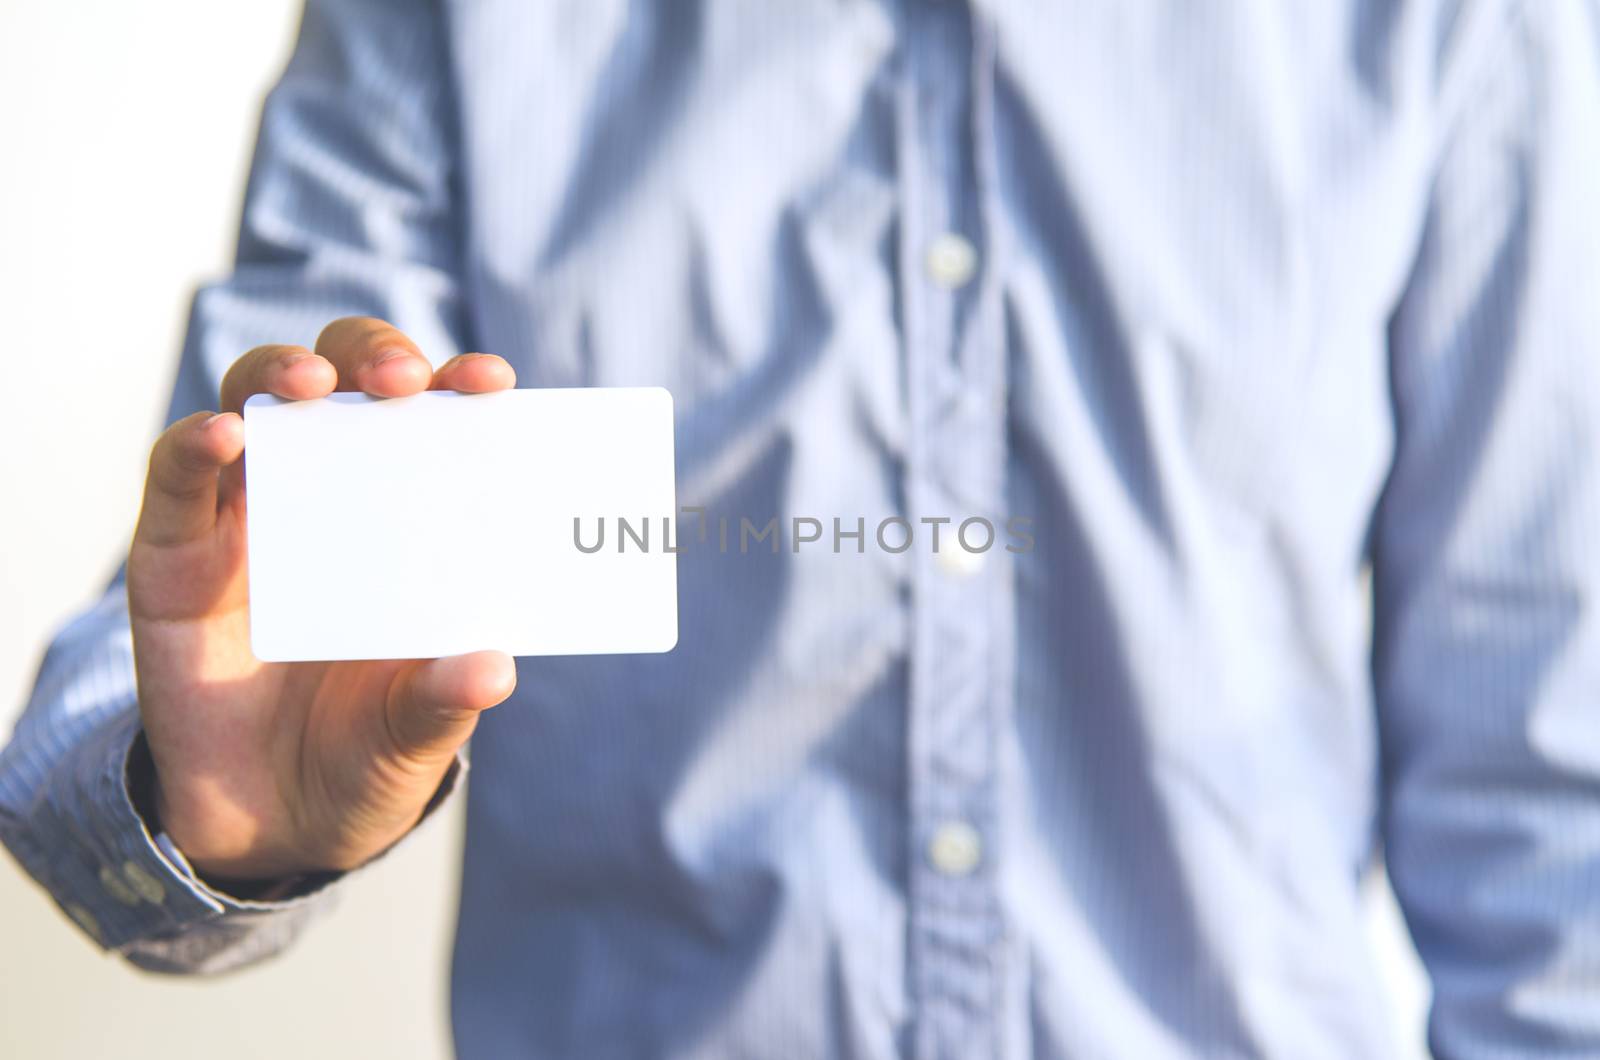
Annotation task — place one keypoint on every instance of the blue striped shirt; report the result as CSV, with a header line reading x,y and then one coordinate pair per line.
x,y
1281,323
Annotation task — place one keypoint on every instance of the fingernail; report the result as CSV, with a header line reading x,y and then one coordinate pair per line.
x,y
391,355
211,421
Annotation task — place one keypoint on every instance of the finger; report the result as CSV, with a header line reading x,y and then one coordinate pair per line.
x,y
474,373
374,357
180,491
292,372
432,707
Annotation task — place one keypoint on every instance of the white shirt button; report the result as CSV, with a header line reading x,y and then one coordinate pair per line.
x,y
956,561
113,885
144,885
956,848
951,260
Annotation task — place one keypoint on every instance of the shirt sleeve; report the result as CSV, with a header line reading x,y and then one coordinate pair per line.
x,y
349,211
1487,549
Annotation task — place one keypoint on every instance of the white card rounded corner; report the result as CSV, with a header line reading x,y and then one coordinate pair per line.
x,y
264,652
670,643
662,394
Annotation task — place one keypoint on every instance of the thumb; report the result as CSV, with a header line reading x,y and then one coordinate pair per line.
x,y
433,706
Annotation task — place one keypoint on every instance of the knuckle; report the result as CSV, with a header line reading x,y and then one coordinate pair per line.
x,y
353,323
399,726
248,375
261,357
244,367
174,471
336,327
352,337
289,354
167,443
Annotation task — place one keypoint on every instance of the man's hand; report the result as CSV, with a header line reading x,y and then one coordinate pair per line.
x,y
272,769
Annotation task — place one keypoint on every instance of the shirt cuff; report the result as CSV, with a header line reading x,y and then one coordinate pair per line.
x,y
92,850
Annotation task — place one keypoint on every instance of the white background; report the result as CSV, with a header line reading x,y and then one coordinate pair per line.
x,y
124,134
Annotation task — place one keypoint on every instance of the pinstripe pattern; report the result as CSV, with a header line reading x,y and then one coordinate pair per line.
x,y
1265,297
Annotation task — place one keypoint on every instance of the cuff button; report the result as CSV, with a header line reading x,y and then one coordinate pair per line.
x,y
112,884
144,885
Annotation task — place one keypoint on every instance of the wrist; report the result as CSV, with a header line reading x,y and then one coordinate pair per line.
x,y
245,880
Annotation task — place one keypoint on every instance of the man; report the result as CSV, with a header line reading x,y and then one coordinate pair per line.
x,y
1233,303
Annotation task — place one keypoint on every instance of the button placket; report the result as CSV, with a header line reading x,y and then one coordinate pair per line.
x,y
955,931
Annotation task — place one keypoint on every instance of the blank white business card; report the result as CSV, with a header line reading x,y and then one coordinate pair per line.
x,y
443,523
